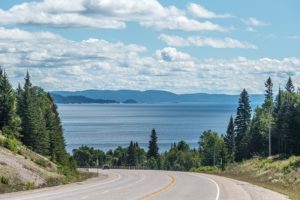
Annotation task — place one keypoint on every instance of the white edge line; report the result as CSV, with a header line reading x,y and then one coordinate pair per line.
x,y
43,194
213,181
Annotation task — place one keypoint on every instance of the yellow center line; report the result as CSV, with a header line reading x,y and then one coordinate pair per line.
x,y
153,194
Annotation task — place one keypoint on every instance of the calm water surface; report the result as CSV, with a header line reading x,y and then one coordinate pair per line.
x,y
109,126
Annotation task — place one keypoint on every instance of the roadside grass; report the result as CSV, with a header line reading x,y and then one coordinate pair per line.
x,y
292,191
277,173
7,185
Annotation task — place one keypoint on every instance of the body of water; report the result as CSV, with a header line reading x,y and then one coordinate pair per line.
x,y
108,126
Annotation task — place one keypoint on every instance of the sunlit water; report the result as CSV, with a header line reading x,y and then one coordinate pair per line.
x,y
108,126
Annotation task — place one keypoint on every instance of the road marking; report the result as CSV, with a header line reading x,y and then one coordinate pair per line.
x,y
123,187
216,184
153,194
45,193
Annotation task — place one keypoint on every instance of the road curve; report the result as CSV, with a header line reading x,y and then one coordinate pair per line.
x,y
147,184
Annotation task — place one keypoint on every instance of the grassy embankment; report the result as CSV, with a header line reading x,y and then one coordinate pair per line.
x,y
23,169
278,174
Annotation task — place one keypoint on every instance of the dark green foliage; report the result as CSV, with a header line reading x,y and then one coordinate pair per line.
x,y
89,157
180,158
9,120
257,135
31,112
56,138
135,155
268,103
290,86
229,140
242,122
153,147
34,132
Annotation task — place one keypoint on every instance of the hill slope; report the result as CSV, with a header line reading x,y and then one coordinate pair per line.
x,y
281,175
23,169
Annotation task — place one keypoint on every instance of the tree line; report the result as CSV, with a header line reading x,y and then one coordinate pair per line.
x,y
247,135
30,115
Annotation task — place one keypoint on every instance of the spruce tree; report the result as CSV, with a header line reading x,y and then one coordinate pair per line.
x,y
229,139
153,147
255,136
242,122
131,155
56,138
268,102
9,120
290,86
34,132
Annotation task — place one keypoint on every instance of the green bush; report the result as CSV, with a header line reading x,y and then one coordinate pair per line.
x,y
205,169
1,142
29,186
43,163
4,180
11,144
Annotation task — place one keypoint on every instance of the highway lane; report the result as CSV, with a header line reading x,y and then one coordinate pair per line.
x,y
147,184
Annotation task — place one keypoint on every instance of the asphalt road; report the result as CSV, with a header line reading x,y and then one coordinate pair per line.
x,y
144,184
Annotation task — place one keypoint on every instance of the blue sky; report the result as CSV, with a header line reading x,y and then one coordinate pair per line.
x,y
180,46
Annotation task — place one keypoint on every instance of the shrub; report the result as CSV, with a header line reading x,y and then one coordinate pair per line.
x,y
205,169
29,186
4,180
11,144
42,162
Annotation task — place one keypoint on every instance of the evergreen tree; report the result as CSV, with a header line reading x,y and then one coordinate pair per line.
x,y
229,139
290,86
53,124
153,147
131,155
34,132
256,142
9,120
268,94
242,122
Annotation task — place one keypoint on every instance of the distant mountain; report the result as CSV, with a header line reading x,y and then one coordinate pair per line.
x,y
156,96
79,99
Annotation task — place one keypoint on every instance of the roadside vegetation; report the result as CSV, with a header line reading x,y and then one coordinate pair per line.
x,y
32,146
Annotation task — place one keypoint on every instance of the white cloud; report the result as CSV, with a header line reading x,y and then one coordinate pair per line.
x,y
104,14
252,21
169,54
201,12
56,63
205,42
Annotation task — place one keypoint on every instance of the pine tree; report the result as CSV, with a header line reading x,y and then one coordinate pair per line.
x,y
153,148
9,120
229,139
242,122
290,86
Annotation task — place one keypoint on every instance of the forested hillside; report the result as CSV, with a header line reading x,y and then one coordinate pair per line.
x,y
28,116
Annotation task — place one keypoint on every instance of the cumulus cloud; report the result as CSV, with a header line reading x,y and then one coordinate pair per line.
x,y
199,41
103,14
201,12
169,54
56,63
